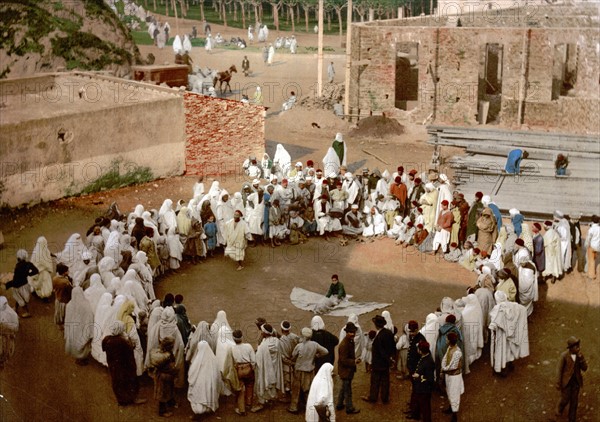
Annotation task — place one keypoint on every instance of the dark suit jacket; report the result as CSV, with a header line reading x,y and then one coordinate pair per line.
x,y
426,381
566,369
328,341
384,348
346,359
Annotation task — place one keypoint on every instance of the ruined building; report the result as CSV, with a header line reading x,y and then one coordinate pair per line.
x,y
531,67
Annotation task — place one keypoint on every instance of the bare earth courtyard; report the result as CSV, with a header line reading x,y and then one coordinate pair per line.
x,y
40,383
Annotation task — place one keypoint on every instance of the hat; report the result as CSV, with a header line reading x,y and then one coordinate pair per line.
x,y
354,207
417,181
410,224
267,329
484,253
285,325
537,226
237,335
350,328
298,164
319,171
306,332
414,203
379,321
453,245
547,223
420,209
255,182
479,195
452,336
335,276
513,211
476,251
400,169
558,214
284,181
365,170
398,179
239,212
413,325
309,163
308,178
423,346
451,318
412,172
419,226
445,202
572,341
443,177
520,242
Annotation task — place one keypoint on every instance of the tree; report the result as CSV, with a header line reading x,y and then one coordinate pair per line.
x,y
307,5
338,6
291,4
275,5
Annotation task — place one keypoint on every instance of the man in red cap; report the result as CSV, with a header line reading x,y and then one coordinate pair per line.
x,y
423,383
539,257
443,228
474,214
398,190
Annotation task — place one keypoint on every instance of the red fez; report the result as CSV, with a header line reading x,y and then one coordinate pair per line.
x,y
398,179
415,203
339,183
476,251
520,242
423,346
239,212
413,325
451,318
452,336
484,253
400,169
453,244
410,224
445,202
284,181
420,226
420,209
309,163
418,181
537,226
412,172
479,195
547,223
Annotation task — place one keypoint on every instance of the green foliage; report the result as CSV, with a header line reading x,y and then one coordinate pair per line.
x,y
98,55
120,174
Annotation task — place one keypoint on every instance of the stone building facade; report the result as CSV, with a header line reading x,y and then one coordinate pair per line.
x,y
524,68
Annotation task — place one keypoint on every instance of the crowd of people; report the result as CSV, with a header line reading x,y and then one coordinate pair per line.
x,y
104,279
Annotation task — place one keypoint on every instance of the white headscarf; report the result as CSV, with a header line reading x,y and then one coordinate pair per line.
x,y
113,247
105,268
331,162
220,321
204,380
184,223
283,159
167,215
79,318
41,257
317,323
72,251
430,331
202,333
321,393
389,324
95,291
358,338
175,246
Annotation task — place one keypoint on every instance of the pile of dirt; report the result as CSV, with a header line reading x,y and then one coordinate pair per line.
x,y
377,127
332,93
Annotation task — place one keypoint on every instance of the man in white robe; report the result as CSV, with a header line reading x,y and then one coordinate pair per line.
x,y
353,187
452,369
472,329
552,252
375,223
269,368
563,229
528,284
444,194
510,334
204,380
236,237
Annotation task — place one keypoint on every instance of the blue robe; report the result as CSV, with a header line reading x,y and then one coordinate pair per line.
x,y
442,344
497,214
517,222
513,162
210,230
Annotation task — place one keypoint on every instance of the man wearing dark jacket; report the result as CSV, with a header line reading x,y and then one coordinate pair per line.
x,y
347,362
570,380
423,382
383,349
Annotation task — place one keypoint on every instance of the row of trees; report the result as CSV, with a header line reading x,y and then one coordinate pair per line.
x,y
293,11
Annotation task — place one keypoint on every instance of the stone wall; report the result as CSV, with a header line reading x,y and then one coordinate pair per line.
x,y
451,63
60,148
221,134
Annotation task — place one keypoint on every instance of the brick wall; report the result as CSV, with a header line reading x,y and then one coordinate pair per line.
x,y
456,57
221,134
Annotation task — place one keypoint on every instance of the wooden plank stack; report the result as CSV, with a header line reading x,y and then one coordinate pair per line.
x,y
537,192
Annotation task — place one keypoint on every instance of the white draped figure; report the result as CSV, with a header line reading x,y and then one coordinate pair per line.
x,y
224,213
166,216
41,258
250,33
72,252
177,44
331,162
552,252
269,369
444,194
510,333
359,338
472,329
204,380
564,232
431,331
376,223
109,317
102,313
79,325
283,160
255,214
528,284
9,327
224,343
187,44
271,55
95,291
320,396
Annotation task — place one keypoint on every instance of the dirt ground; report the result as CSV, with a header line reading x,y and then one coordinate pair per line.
x,y
41,383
